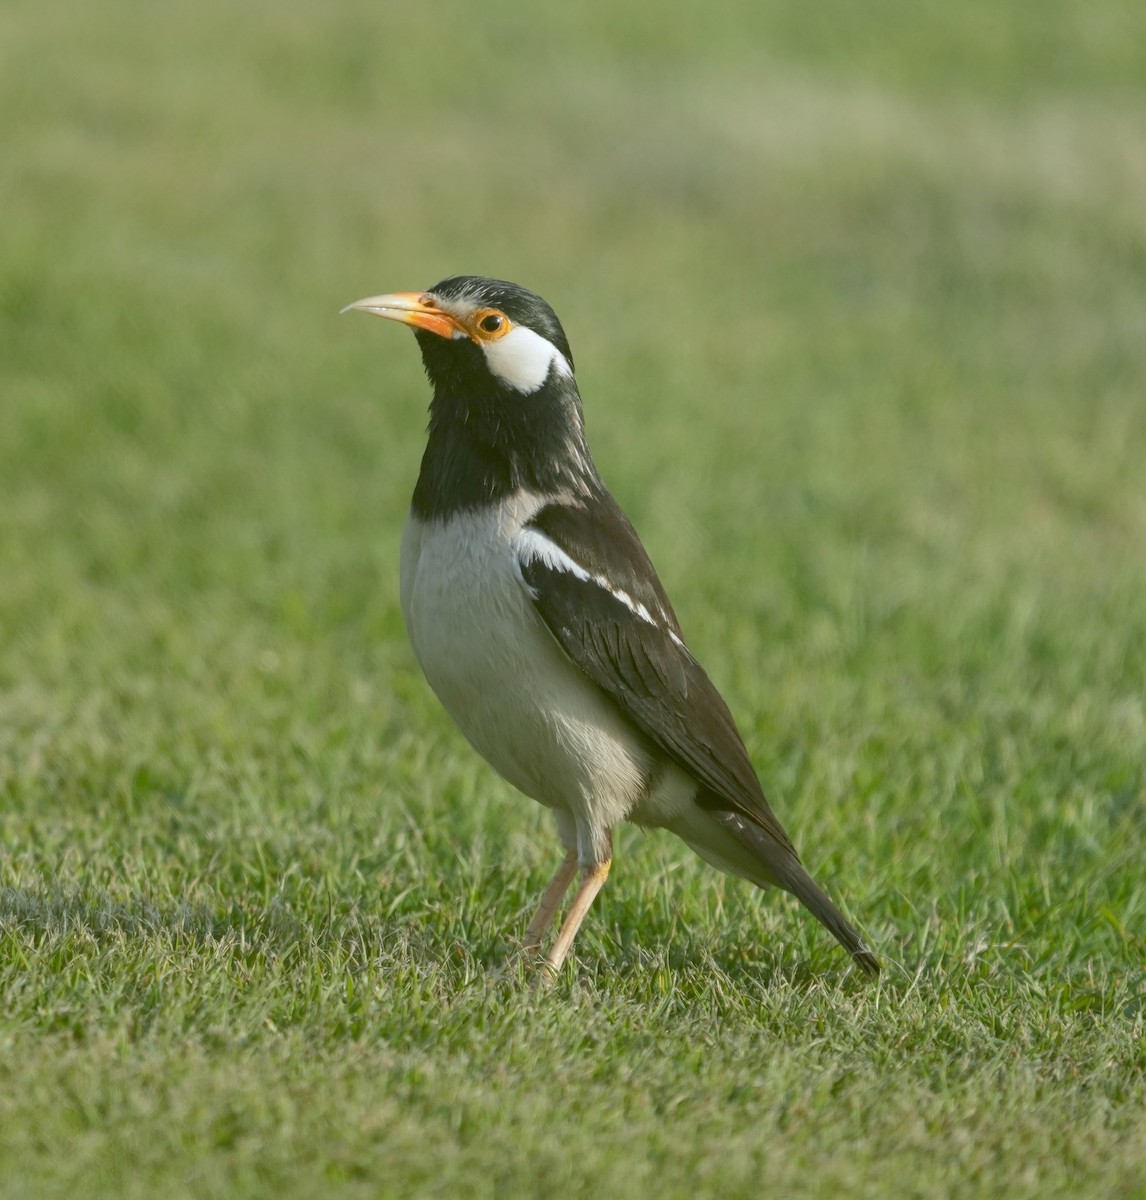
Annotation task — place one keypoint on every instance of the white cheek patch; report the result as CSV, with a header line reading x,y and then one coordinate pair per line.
x,y
522,359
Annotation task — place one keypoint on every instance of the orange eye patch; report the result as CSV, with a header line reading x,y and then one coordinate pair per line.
x,y
489,324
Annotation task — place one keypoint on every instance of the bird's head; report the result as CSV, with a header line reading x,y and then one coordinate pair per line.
x,y
480,336
505,413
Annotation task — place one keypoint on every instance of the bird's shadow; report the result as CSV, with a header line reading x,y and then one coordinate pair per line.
x,y
101,918
360,937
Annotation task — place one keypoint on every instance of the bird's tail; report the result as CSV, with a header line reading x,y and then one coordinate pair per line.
x,y
819,904
752,852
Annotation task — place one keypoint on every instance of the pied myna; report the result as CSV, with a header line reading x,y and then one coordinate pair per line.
x,y
541,625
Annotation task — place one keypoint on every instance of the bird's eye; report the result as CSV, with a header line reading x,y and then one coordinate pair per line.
x,y
491,324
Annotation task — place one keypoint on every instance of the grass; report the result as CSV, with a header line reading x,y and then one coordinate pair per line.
x,y
857,297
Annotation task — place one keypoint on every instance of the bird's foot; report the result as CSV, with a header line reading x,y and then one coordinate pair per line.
x,y
521,964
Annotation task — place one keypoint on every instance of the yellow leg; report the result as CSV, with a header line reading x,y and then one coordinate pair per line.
x,y
591,883
550,901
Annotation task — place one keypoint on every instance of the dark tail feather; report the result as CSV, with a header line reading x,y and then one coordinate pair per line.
x,y
780,866
816,900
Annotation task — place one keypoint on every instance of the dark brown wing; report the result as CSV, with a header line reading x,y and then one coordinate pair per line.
x,y
597,591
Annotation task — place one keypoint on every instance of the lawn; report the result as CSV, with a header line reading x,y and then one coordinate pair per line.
x,y
858,300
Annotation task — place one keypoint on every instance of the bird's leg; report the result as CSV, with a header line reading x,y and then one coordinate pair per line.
x,y
550,901
591,883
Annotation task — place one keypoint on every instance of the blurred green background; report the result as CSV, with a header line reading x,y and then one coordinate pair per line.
x,y
857,296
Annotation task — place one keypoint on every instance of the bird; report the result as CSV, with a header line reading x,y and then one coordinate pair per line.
x,y
539,621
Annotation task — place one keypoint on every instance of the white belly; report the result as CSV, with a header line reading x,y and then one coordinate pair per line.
x,y
502,677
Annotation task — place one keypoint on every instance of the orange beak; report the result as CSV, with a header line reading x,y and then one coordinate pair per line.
x,y
411,308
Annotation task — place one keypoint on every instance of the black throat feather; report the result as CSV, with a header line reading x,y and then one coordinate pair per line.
x,y
487,441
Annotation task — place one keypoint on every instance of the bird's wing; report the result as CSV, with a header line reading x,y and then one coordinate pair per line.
x,y
594,586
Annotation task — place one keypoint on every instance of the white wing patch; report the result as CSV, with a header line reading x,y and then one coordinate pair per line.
x,y
522,359
531,545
